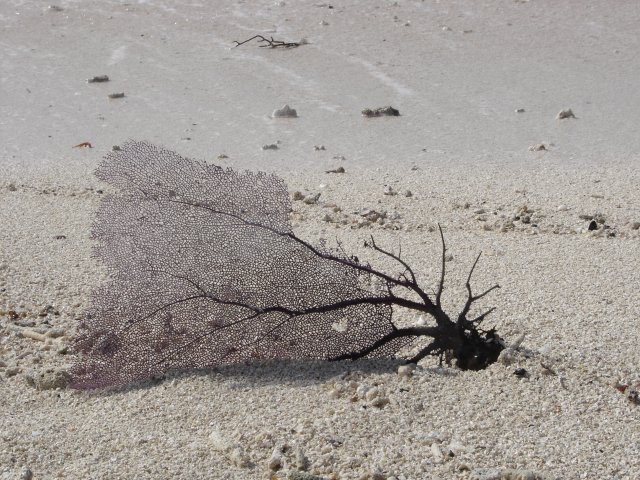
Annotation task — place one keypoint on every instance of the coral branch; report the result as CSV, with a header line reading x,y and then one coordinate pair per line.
x,y
205,269
442,268
268,42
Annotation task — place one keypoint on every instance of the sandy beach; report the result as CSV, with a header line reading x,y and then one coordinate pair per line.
x,y
552,203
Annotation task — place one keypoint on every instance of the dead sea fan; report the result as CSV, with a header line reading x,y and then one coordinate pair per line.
x,y
205,270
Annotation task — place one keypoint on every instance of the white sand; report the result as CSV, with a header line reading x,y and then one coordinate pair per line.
x,y
573,293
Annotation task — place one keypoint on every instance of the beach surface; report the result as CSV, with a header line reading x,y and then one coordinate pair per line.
x,y
552,203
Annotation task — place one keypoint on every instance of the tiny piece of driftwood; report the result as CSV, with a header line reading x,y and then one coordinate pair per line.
x,y
268,42
98,79
381,112
205,269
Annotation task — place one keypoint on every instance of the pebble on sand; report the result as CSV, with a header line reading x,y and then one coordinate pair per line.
x,y
301,460
538,147
388,190
311,199
388,111
48,380
276,460
285,112
633,395
219,442
116,95
26,473
406,370
234,452
438,457
567,113
507,357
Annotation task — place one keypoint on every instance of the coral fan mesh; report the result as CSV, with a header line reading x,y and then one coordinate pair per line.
x,y
205,270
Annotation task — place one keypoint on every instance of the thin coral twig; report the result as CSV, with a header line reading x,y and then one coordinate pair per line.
x,y
268,42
